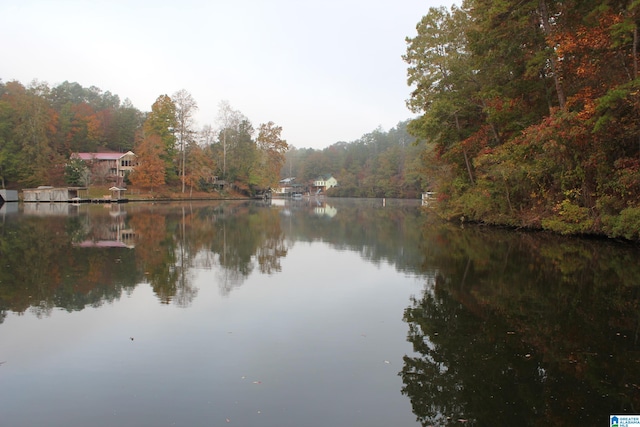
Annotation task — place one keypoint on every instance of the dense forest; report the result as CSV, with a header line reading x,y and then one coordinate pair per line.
x,y
533,109
40,126
378,164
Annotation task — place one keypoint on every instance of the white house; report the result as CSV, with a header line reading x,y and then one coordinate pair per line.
x,y
325,182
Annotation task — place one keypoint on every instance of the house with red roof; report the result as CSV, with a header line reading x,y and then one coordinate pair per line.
x,y
110,166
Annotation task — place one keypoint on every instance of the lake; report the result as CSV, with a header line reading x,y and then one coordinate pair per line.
x,y
308,313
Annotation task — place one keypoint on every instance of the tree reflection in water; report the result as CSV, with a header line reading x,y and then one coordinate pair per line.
x,y
466,371
523,329
512,328
87,255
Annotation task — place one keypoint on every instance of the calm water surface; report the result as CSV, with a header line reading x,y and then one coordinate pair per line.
x,y
308,313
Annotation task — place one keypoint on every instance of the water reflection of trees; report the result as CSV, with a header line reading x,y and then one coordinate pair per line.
x,y
238,251
524,328
378,233
42,269
94,253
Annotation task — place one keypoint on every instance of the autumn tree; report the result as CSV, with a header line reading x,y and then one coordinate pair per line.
x,y
242,155
532,107
185,107
161,122
441,76
150,171
199,166
229,121
206,136
33,161
90,119
272,149
7,151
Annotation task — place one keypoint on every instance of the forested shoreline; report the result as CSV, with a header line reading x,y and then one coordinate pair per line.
x,y
40,126
528,116
533,108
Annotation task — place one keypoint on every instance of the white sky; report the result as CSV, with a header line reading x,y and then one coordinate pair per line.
x,y
326,71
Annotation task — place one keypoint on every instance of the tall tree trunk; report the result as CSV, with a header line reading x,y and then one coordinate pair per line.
x,y
635,52
494,131
464,152
544,15
468,164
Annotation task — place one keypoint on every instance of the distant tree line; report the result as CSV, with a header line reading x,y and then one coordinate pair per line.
x,y
378,164
41,126
533,110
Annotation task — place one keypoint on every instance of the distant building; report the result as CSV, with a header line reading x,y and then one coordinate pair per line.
x,y
46,193
288,186
110,165
323,183
8,196
287,181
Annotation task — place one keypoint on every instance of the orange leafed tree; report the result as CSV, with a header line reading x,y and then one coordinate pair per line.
x,y
149,173
199,166
273,149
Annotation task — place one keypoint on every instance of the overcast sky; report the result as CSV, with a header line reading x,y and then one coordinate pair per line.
x,y
326,71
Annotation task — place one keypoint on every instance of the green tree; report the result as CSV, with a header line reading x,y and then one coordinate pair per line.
x,y
229,121
162,122
242,155
76,173
126,121
441,74
6,146
33,124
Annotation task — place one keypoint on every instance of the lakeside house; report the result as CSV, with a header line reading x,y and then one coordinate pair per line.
x,y
428,198
288,187
323,183
110,166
